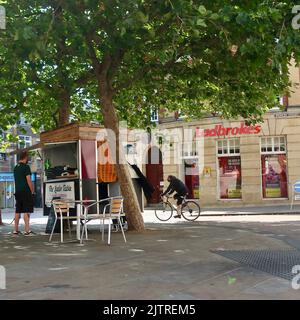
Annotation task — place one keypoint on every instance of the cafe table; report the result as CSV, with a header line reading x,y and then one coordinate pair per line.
x,y
79,206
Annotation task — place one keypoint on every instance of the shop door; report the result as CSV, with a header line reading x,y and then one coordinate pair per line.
x,y
155,173
191,176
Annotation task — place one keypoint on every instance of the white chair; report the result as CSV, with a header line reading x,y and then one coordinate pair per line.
x,y
113,209
62,212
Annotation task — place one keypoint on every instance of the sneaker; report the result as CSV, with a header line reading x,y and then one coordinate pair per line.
x,y
177,216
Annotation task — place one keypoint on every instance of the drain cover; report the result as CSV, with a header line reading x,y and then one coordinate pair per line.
x,y
276,262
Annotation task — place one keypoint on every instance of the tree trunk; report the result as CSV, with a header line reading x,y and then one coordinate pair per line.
x,y
65,109
132,209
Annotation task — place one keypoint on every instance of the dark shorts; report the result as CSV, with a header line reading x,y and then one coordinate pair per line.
x,y
179,197
24,202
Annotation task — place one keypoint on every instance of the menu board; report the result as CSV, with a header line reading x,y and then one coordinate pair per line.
x,y
62,190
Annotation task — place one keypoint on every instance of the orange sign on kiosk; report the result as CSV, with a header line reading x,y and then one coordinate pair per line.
x,y
107,171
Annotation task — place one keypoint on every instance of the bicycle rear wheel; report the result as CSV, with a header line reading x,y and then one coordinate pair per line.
x,y
164,213
190,210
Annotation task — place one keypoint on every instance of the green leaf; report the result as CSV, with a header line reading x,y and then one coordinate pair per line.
x,y
202,10
123,31
231,280
142,17
201,22
16,36
28,33
214,16
242,18
151,33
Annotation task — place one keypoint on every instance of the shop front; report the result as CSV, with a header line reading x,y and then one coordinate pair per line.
x,y
7,187
242,164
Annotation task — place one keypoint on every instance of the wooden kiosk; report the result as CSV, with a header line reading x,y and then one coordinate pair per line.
x,y
75,146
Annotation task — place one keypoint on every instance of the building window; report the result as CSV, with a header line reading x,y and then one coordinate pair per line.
x,y
154,116
230,173
274,166
130,149
190,149
22,121
25,142
271,145
3,156
229,147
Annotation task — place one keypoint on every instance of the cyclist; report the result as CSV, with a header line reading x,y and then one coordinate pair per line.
x,y
181,189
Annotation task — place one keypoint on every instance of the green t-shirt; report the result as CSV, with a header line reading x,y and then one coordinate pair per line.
x,y
21,171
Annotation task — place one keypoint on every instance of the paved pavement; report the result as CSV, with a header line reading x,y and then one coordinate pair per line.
x,y
169,261
208,214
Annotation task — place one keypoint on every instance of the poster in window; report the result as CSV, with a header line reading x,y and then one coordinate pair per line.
x,y
274,177
230,177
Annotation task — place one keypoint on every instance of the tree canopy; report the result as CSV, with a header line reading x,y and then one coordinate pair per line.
x,y
229,57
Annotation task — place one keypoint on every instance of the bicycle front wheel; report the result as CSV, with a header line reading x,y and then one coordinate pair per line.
x,y
164,213
190,210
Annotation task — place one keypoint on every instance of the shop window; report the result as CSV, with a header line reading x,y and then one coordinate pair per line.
x,y
274,166
229,161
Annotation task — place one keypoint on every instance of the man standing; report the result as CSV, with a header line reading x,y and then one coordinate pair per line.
x,y
24,193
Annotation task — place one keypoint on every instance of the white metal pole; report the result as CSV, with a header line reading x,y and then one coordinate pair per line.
x,y
78,220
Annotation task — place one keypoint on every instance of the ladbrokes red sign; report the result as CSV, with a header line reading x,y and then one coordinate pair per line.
x,y
219,130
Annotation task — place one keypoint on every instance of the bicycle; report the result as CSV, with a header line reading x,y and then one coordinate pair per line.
x,y
190,210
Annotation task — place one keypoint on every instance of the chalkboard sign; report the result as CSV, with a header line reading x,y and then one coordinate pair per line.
x,y
51,221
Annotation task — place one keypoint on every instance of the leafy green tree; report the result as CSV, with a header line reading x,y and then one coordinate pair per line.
x,y
124,57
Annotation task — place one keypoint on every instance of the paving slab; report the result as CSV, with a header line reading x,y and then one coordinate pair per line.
x,y
168,261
